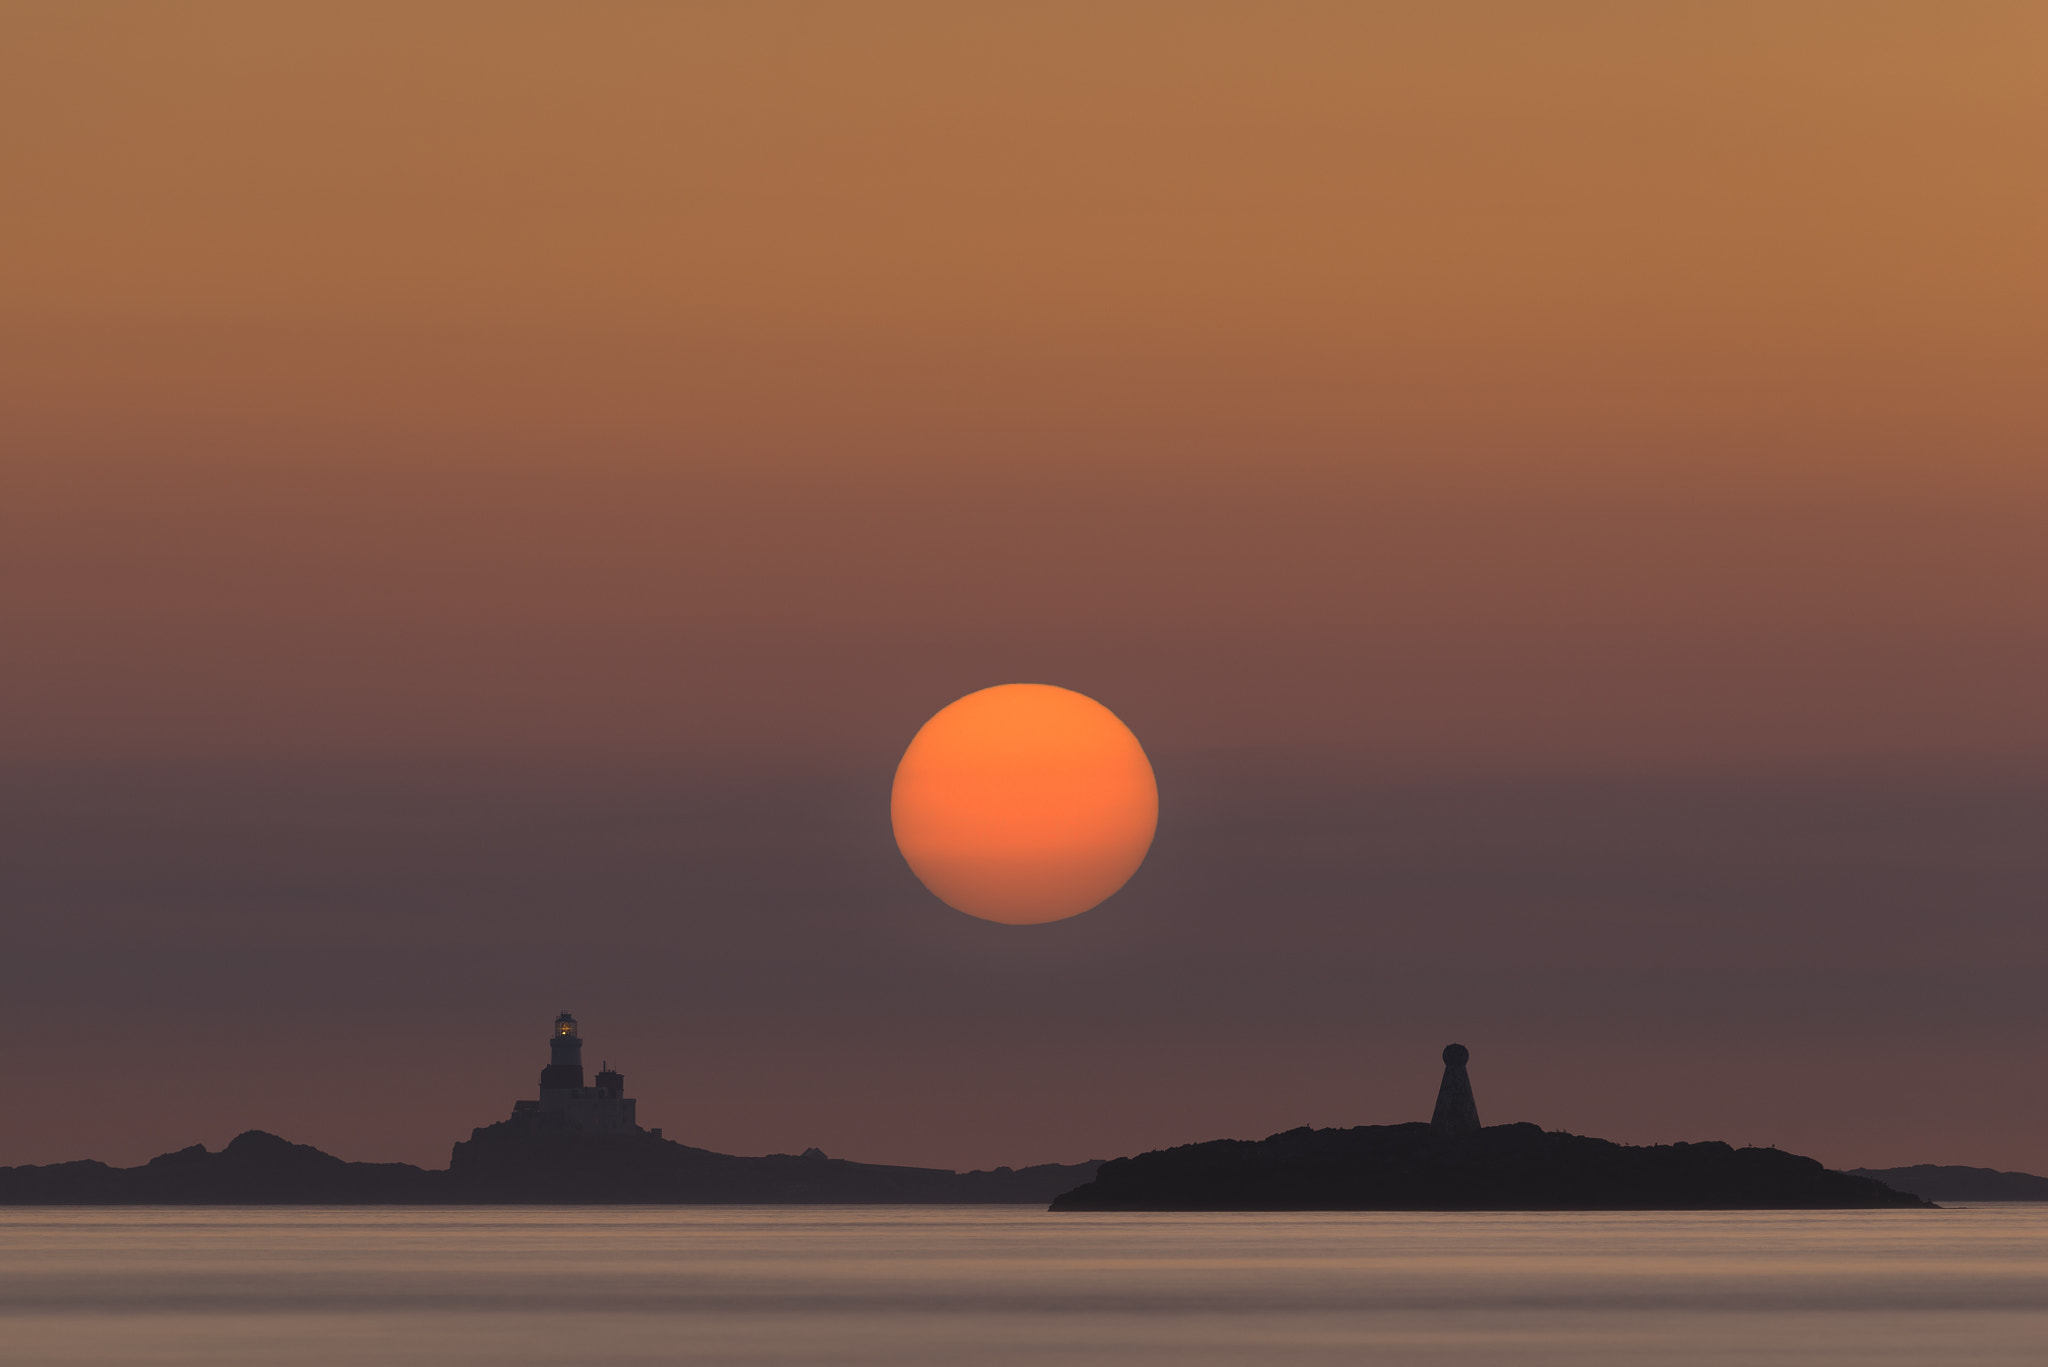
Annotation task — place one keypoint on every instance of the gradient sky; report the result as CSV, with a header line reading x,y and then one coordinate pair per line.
x,y
1561,492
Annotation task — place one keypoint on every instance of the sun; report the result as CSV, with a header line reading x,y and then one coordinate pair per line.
x,y
1024,803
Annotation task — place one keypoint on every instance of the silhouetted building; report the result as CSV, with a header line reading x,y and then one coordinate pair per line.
x,y
1456,1111
565,1104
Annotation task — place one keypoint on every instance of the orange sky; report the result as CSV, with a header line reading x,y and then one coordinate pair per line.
x,y
1590,353
704,231
1457,392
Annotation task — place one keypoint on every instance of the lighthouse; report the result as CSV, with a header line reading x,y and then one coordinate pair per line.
x,y
565,1105
564,1074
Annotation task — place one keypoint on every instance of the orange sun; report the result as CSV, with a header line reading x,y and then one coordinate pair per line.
x,y
1024,803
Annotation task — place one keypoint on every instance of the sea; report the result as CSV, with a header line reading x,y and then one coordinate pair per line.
x,y
923,1286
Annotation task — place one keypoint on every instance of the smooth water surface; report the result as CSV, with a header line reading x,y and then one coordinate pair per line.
x,y
917,1286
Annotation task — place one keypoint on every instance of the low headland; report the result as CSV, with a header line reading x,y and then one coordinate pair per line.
x,y
1948,1182
257,1168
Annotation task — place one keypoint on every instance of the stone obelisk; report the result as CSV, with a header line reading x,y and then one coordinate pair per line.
x,y
1456,1111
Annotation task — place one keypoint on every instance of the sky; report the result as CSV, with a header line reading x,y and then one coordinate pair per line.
x,y
487,493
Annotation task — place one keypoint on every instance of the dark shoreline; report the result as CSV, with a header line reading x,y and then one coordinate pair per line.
x,y
1420,1167
494,1168
1384,1167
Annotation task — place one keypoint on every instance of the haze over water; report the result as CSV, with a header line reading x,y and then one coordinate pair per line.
x,y
916,1286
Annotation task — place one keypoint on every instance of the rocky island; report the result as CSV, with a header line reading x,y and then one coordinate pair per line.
x,y
1454,1163
571,1144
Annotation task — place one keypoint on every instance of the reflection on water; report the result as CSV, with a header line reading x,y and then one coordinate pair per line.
x,y
770,1286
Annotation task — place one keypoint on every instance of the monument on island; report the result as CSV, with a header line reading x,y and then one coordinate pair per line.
x,y
1456,1111
565,1105
1453,1163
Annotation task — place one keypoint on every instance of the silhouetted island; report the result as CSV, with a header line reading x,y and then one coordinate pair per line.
x,y
583,1144
571,1144
1453,1163
261,1169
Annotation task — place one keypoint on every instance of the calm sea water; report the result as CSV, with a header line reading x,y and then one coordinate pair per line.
x,y
923,1286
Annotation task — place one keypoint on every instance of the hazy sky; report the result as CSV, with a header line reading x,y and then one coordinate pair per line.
x,y
487,493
